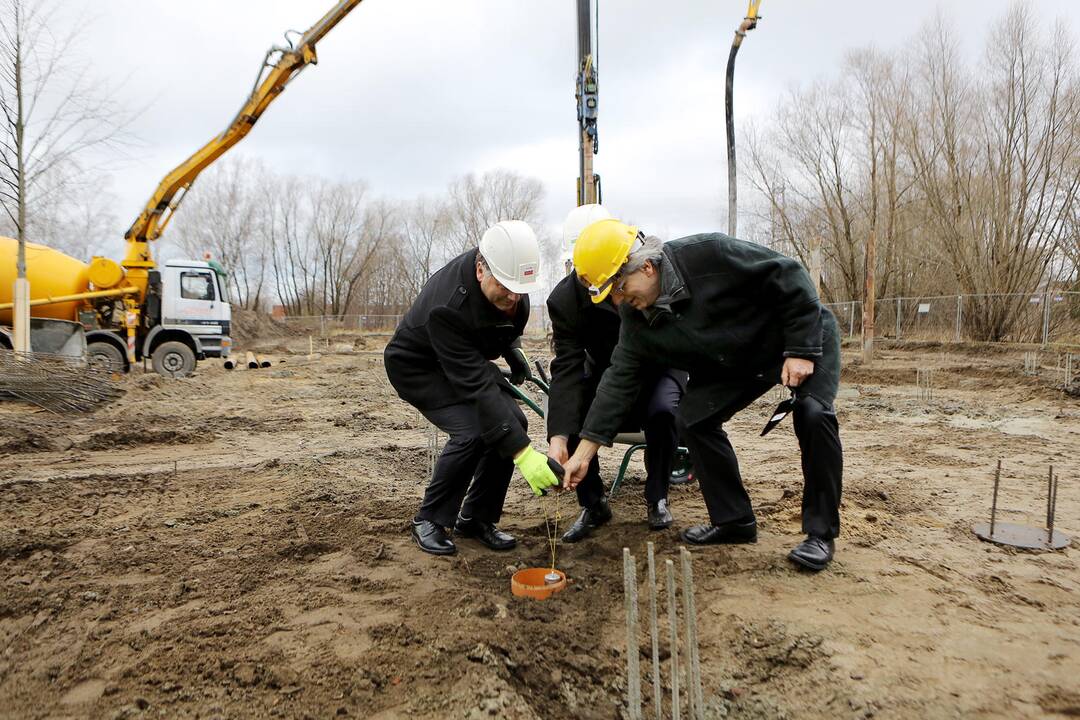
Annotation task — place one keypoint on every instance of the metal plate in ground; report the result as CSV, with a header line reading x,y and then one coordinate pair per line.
x,y
1021,536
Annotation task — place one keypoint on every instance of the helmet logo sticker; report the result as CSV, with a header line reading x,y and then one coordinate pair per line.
x,y
527,270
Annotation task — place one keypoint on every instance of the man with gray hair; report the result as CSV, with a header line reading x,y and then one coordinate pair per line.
x,y
584,334
740,318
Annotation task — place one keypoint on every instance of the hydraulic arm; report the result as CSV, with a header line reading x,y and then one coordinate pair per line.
x,y
748,24
279,67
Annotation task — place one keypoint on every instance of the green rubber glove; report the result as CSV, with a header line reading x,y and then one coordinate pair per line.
x,y
534,467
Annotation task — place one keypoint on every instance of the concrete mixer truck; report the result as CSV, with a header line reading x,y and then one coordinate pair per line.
x,y
173,314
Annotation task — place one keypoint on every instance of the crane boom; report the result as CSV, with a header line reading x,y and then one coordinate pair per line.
x,y
279,67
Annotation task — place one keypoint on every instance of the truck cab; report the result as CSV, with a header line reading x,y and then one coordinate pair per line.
x,y
194,299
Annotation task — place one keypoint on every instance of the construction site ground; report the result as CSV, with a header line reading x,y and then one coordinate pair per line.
x,y
236,545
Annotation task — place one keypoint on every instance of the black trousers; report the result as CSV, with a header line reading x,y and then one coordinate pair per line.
x,y
470,477
717,468
655,414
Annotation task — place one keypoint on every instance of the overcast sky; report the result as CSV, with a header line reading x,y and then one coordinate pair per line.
x,y
409,94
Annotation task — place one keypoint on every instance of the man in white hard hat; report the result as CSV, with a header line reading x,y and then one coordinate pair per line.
x,y
469,313
584,335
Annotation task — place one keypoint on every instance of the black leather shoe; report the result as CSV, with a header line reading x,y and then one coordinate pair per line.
x,y
727,534
589,519
432,538
813,553
659,516
485,532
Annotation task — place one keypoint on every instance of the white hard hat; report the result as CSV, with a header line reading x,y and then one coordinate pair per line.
x,y
512,254
578,219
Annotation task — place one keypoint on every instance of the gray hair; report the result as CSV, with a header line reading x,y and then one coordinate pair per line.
x,y
650,250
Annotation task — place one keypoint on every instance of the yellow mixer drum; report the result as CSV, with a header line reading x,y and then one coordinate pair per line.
x,y
50,272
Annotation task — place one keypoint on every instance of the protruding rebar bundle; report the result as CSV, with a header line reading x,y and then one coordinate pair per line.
x,y
1031,363
673,623
633,669
654,632
693,664
924,377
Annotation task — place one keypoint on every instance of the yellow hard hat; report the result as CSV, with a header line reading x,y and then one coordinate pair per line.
x,y
600,250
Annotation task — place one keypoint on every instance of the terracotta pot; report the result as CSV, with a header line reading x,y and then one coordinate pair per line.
x,y
530,583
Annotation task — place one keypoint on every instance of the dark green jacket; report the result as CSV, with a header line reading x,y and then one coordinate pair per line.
x,y
730,312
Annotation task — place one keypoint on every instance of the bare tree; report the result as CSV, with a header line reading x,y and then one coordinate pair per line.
x,y
223,216
79,221
54,112
475,204
995,157
425,224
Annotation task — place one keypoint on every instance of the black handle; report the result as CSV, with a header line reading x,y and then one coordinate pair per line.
x,y
558,470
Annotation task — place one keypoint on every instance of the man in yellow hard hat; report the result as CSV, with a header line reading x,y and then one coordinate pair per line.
x,y
740,318
583,335
470,312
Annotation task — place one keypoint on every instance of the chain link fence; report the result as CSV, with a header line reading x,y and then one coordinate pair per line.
x,y
1046,318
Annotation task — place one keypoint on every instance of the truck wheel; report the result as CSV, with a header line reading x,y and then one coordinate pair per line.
x,y
105,355
173,359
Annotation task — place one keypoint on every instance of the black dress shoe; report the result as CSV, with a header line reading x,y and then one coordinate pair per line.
x,y
813,553
432,538
485,532
659,516
727,534
589,519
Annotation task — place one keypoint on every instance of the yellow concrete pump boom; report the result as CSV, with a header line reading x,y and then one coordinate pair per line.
x,y
280,66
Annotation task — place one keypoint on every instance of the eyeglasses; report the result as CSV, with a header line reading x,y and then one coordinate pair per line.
x,y
616,282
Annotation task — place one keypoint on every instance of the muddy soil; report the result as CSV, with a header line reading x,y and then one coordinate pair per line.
x,y
236,545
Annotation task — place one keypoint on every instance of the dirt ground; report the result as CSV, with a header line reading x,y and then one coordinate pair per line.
x,y
236,545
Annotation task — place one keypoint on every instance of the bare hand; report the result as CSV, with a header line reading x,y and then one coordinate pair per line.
x,y
576,469
578,466
557,450
795,371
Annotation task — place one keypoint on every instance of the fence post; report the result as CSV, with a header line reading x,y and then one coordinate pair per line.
x,y
1046,317
851,320
898,311
959,315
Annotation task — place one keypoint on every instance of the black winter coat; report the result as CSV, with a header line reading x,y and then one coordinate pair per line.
x,y
737,311
584,336
442,350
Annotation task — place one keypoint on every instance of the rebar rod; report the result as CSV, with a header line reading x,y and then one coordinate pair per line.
x,y
694,664
1049,494
654,632
1053,511
673,624
633,669
993,504
688,646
